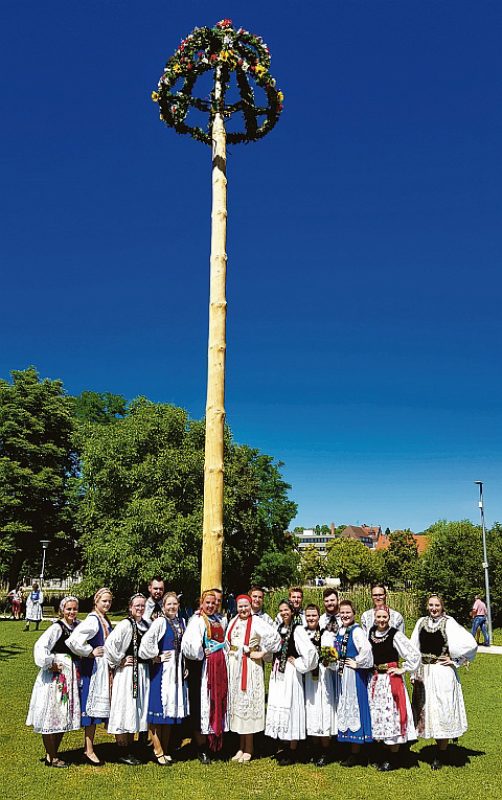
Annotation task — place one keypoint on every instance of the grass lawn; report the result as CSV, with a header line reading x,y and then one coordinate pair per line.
x,y
478,775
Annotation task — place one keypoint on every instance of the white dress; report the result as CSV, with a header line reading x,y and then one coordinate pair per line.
x,y
95,687
246,708
385,719
354,715
286,698
192,647
55,704
168,690
34,607
442,715
128,714
321,695
368,620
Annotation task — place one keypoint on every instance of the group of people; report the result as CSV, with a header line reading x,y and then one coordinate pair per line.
x,y
330,677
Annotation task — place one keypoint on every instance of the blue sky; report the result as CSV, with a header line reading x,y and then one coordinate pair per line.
x,y
364,329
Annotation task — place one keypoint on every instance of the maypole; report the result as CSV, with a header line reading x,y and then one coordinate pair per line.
x,y
243,57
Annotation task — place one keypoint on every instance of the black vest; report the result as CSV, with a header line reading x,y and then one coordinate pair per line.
x,y
61,646
383,648
432,642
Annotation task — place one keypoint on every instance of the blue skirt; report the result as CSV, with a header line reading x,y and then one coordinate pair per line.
x,y
87,666
363,735
155,710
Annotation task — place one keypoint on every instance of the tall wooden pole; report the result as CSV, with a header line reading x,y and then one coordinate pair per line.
x,y
212,532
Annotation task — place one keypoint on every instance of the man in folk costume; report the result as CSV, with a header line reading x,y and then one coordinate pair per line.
x,y
153,606
330,619
295,597
203,646
250,640
257,596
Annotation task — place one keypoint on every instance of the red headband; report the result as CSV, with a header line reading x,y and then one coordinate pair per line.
x,y
243,597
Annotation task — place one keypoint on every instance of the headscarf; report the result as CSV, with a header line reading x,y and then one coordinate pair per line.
x,y
103,590
70,598
243,597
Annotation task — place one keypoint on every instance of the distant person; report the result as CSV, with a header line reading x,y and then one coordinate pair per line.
x,y
153,606
16,598
379,598
231,605
34,603
330,620
257,596
479,613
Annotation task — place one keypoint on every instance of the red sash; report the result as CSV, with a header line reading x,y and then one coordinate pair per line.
x,y
245,656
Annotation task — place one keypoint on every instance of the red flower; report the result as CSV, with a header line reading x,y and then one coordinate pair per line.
x,y
214,57
224,23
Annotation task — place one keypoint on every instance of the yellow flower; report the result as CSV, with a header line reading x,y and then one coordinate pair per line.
x,y
280,97
177,68
260,70
227,55
155,97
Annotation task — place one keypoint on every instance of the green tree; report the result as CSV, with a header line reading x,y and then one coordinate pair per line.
x,y
312,564
400,558
142,496
276,569
102,407
37,468
452,564
351,561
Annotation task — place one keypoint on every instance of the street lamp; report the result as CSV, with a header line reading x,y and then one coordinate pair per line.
x,y
485,560
45,544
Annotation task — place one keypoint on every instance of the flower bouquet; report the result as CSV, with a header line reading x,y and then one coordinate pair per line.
x,y
329,655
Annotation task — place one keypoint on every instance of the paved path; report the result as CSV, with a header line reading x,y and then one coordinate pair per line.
x,y
494,648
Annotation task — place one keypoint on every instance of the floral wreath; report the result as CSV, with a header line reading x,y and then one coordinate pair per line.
x,y
232,51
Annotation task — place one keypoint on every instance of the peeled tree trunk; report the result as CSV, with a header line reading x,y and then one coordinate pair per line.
x,y
212,533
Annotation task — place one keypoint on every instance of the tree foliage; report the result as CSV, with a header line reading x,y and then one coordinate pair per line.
x,y
312,564
452,564
352,562
142,499
400,558
37,469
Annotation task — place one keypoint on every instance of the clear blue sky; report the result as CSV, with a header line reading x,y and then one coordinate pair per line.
x,y
364,324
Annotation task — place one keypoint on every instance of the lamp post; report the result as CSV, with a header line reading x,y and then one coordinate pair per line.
x,y
45,544
485,560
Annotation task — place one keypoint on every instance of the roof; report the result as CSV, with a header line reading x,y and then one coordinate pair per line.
x,y
421,541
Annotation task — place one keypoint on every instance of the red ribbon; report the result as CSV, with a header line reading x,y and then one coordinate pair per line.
x,y
247,637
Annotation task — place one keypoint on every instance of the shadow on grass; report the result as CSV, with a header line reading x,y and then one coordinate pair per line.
x,y
11,651
456,755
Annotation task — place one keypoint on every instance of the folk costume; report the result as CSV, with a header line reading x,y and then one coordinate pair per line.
x,y
322,688
168,702
368,620
246,699
204,645
286,699
391,714
55,703
34,603
95,677
153,610
354,721
438,702
131,684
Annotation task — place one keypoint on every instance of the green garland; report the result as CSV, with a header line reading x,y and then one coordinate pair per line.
x,y
234,51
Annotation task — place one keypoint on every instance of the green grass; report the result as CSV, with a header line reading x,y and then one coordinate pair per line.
x,y
23,776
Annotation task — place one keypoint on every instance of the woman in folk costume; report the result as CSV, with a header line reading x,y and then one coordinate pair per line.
x,y
203,646
391,715
168,702
250,639
55,703
286,699
355,659
87,642
131,679
34,603
321,685
438,703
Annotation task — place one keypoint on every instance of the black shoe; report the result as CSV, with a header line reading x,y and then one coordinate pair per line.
x,y
130,760
436,764
87,760
203,757
286,759
56,763
385,766
162,760
354,760
322,761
